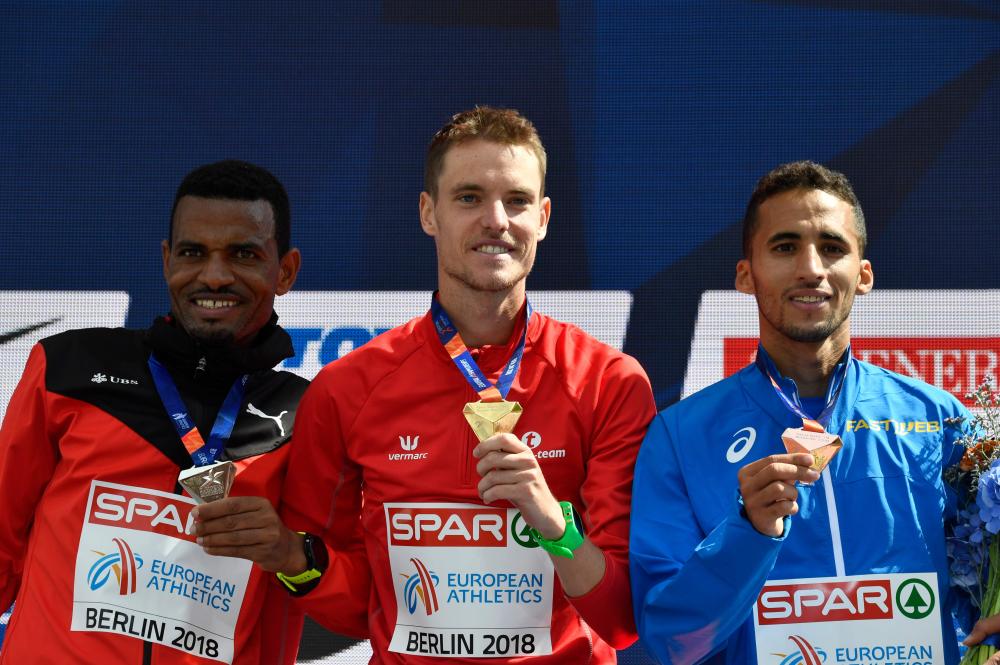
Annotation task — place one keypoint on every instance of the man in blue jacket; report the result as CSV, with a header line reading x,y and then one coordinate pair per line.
x,y
743,552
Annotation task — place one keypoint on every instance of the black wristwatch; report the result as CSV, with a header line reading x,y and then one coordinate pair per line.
x,y
317,560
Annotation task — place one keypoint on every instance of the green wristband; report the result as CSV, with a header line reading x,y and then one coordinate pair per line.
x,y
568,542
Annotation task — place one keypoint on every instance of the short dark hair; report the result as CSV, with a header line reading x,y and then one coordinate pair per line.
x,y
504,126
803,175
239,181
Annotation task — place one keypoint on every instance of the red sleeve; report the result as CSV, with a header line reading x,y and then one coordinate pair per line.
x,y
322,496
28,457
623,410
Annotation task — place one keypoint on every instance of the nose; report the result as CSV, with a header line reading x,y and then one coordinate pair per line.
x,y
495,217
810,264
216,272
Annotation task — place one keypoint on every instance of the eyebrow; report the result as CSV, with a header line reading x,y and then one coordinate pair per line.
x,y
792,235
191,244
472,187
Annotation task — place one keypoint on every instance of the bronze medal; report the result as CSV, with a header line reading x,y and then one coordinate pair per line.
x,y
821,445
489,418
208,483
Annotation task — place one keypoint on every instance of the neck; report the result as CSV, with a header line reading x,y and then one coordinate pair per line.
x,y
809,364
482,317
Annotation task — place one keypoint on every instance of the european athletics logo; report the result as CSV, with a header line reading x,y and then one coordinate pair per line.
x,y
124,564
422,585
807,654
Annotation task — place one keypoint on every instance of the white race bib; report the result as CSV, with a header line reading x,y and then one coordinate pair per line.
x,y
139,572
469,582
854,620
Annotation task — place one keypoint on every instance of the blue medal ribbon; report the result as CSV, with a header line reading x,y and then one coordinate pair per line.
x,y
201,452
466,364
793,403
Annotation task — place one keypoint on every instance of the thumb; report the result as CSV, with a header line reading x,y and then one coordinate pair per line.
x,y
983,628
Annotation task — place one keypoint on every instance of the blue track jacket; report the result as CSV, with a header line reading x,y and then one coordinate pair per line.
x,y
698,565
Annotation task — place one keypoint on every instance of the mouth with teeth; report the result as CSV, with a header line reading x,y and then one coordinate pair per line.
x,y
492,249
214,304
810,299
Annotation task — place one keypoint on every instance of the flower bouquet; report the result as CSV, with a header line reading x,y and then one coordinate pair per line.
x,y
974,547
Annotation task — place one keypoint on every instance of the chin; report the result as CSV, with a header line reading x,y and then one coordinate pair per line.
x,y
212,336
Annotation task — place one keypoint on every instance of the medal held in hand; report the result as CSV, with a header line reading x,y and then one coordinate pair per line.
x,y
208,483
821,445
492,414
489,418
209,479
812,437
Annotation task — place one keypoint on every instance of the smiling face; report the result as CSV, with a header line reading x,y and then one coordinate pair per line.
x,y
487,216
223,270
804,268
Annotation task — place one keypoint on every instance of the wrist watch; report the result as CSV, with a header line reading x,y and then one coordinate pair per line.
x,y
568,542
316,563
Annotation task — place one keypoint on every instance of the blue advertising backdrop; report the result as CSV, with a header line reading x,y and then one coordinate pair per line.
x,y
658,118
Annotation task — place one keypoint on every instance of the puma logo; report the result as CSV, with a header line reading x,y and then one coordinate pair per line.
x,y
254,411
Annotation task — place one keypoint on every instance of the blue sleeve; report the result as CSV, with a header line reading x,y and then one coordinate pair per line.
x,y
691,591
964,613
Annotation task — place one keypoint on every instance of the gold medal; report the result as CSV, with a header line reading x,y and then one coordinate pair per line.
x,y
489,418
208,483
821,445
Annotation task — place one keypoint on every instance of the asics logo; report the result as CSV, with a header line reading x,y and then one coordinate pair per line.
x,y
742,445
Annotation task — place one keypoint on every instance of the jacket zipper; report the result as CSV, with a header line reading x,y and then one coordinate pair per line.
x,y
834,518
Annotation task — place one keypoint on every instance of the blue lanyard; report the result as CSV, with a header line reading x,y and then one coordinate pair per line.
x,y
202,453
793,404
466,364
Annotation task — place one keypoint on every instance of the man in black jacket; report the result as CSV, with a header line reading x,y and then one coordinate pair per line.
x,y
97,546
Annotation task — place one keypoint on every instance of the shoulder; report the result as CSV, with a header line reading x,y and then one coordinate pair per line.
x,y
880,383
92,341
706,403
78,357
376,359
577,355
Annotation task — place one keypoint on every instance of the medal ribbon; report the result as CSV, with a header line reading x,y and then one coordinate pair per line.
x,y
818,424
202,453
466,364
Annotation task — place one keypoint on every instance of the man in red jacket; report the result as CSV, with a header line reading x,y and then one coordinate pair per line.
x,y
475,462
96,543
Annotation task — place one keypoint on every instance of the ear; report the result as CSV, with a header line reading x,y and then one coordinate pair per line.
x,y
744,278
866,278
165,250
428,222
288,270
545,213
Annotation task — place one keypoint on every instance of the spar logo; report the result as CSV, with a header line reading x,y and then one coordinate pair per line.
x,y
447,527
806,653
521,532
123,563
955,364
140,510
818,602
422,587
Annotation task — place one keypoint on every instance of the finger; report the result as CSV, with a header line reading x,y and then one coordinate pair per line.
x,y
504,477
502,442
237,522
229,506
503,460
983,628
770,495
240,538
755,467
506,492
778,472
253,553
